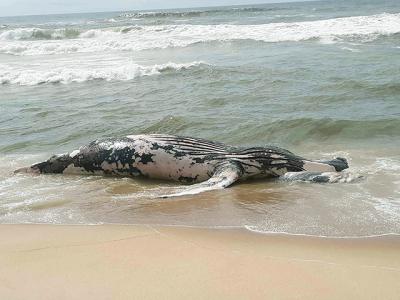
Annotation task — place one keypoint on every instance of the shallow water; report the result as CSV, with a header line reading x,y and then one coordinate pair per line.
x,y
319,78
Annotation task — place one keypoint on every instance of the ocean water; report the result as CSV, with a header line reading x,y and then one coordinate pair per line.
x,y
321,79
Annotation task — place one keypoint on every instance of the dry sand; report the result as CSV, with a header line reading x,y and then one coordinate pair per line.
x,y
144,262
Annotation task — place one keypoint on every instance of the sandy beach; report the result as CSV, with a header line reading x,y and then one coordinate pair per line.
x,y
146,262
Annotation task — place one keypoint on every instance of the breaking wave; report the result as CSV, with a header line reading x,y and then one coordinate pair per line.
x,y
108,73
193,13
39,34
135,38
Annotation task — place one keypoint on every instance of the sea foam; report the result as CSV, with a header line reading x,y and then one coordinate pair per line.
x,y
35,42
121,72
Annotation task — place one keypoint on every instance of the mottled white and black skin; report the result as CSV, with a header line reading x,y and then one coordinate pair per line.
x,y
188,160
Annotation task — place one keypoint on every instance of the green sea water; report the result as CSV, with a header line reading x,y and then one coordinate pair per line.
x,y
321,79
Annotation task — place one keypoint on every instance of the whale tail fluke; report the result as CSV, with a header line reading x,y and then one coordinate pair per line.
x,y
55,164
27,170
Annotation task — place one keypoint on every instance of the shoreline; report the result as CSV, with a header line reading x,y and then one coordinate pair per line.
x,y
222,227
41,261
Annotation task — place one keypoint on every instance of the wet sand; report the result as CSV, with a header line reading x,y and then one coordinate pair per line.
x,y
146,262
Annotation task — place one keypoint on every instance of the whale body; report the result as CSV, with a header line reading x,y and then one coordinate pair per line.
x,y
205,164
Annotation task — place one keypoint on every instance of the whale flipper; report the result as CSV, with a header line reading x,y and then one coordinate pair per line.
x,y
224,175
320,177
